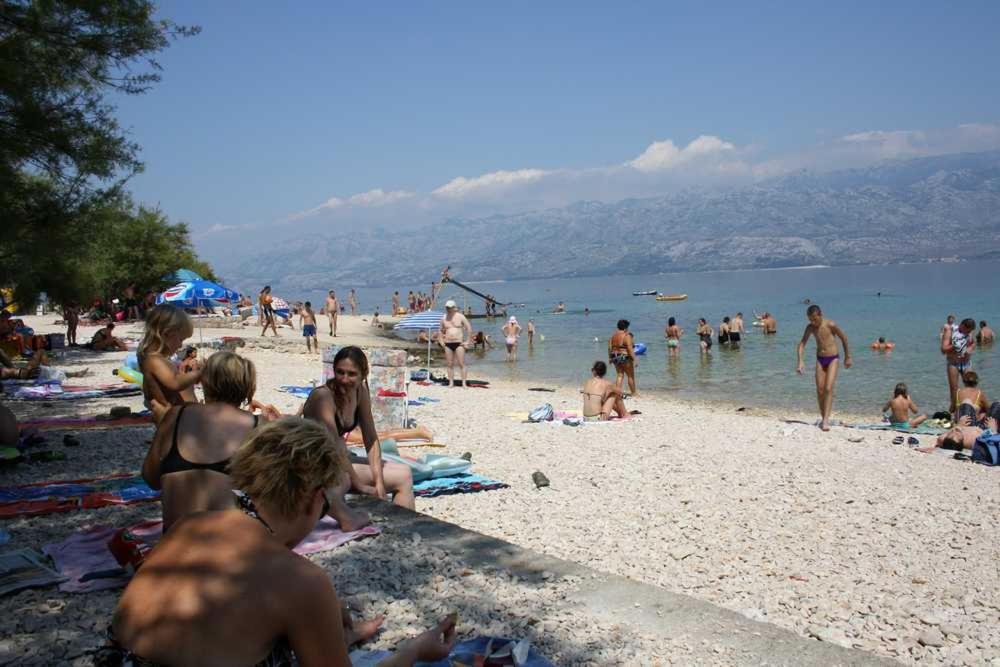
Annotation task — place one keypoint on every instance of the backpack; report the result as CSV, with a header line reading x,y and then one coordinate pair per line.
x,y
543,413
986,450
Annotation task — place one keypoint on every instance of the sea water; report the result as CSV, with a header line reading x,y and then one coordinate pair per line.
x,y
907,304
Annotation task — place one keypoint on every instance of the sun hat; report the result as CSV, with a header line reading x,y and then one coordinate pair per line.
x,y
512,320
450,303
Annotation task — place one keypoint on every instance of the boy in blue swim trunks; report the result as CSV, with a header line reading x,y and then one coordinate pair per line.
x,y
826,333
307,321
900,407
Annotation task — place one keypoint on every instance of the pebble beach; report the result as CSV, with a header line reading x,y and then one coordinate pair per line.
x,y
842,536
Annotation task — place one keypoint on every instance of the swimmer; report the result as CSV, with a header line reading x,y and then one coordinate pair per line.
x,y
827,359
882,345
673,334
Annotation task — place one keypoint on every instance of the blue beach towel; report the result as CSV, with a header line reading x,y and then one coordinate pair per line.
x,y
294,390
446,486
462,652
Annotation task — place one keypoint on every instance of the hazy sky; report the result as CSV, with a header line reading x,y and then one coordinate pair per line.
x,y
319,112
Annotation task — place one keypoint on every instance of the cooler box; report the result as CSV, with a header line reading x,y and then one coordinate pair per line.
x,y
55,341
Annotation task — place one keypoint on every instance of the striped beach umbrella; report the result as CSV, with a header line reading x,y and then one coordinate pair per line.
x,y
429,320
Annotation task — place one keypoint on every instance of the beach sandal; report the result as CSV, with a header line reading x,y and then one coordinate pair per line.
x,y
539,479
913,442
467,456
634,412
898,440
959,456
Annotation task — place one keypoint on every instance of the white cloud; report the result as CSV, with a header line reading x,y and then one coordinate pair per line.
x,y
378,197
663,167
371,199
488,184
663,155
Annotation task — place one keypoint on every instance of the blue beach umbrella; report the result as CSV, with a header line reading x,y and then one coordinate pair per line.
x,y
426,321
194,293
183,276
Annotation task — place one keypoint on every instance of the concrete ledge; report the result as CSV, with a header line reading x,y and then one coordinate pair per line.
x,y
613,599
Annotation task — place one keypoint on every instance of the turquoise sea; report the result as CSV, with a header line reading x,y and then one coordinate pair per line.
x,y
914,301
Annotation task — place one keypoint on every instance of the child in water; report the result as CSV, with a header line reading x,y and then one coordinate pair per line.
x,y
900,407
307,321
827,359
163,383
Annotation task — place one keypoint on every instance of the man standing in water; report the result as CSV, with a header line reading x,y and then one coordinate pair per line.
x,y
332,309
352,299
736,330
531,333
827,359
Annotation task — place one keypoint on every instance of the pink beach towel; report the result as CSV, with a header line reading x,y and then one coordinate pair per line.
x,y
84,557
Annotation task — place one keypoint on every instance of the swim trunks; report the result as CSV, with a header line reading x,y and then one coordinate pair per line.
x,y
902,425
827,360
619,358
734,336
453,346
309,330
960,366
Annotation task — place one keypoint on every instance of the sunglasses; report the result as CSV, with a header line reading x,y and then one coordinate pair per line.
x,y
326,506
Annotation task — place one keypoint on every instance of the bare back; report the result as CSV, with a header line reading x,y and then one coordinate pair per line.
x,y
218,589
595,393
203,434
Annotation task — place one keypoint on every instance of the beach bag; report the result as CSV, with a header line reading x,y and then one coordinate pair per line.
x,y
986,450
543,413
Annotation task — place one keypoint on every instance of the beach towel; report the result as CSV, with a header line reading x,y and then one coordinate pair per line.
x,y
924,429
469,652
88,565
70,495
25,568
54,392
139,419
446,486
300,391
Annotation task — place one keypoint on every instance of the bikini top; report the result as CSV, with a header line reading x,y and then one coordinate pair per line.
x,y
344,430
174,462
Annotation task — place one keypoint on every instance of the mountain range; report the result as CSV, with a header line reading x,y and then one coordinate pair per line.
x,y
900,211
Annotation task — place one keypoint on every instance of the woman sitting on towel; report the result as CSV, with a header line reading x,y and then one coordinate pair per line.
x,y
343,404
194,442
225,588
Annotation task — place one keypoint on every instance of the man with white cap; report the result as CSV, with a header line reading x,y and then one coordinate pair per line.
x,y
511,332
456,332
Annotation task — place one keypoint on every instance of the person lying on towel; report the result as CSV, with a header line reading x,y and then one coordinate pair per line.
x,y
224,587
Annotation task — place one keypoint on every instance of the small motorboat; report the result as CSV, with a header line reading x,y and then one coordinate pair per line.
x,y
649,292
671,297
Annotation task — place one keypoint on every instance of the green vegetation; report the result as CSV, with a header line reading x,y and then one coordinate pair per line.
x,y
69,227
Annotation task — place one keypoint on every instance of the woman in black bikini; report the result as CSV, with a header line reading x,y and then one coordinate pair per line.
x,y
343,404
194,442
621,354
224,588
704,332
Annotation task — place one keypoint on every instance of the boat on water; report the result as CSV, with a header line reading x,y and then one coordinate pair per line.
x,y
649,292
671,297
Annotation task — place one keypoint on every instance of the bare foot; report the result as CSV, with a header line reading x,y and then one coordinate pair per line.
x,y
424,432
924,450
361,631
350,519
824,426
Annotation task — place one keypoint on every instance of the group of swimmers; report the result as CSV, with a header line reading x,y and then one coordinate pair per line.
x,y
239,490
